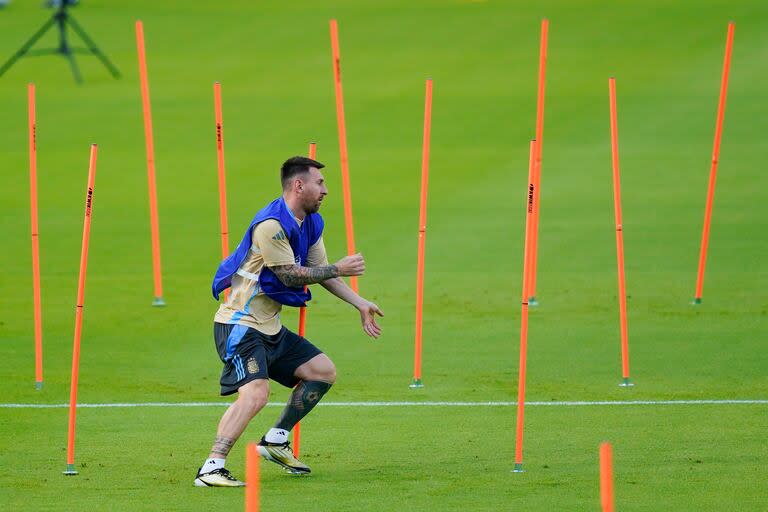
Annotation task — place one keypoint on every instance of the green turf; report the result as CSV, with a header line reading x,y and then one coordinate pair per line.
x,y
696,464
274,64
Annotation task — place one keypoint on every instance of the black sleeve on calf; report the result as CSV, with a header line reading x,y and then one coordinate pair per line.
x,y
304,397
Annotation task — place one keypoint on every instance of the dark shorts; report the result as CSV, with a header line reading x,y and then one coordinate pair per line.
x,y
248,355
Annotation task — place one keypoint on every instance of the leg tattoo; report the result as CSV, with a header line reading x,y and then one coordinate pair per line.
x,y
222,446
304,397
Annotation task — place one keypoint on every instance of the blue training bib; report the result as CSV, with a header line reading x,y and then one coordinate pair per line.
x,y
301,238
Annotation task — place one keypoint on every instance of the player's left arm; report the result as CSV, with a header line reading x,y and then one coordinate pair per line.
x,y
368,310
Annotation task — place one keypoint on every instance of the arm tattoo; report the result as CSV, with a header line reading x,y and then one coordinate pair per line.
x,y
222,445
296,275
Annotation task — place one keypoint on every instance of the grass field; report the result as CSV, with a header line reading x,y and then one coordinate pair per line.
x,y
273,60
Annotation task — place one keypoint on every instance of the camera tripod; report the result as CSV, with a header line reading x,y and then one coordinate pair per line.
x,y
61,18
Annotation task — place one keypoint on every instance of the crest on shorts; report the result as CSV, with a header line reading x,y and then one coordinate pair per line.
x,y
252,365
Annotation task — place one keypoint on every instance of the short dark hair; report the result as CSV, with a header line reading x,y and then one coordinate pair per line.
x,y
296,165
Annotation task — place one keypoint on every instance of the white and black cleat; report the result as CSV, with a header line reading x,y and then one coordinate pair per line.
x,y
220,477
282,455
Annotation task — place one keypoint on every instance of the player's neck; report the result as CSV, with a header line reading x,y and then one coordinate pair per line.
x,y
295,206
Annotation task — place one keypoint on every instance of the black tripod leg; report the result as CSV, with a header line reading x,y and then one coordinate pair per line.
x,y
32,40
73,64
92,46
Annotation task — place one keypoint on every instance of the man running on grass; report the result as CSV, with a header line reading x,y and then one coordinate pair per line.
x,y
280,254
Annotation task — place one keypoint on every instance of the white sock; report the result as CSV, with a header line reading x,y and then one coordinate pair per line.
x,y
276,435
212,464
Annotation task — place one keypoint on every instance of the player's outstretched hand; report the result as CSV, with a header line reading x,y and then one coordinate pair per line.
x,y
351,265
368,311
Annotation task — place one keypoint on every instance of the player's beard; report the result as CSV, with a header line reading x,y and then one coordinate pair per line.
x,y
312,207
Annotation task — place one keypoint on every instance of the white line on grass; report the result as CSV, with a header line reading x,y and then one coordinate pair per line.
x,y
402,404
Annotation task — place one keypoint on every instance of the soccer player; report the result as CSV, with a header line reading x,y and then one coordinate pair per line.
x,y
280,254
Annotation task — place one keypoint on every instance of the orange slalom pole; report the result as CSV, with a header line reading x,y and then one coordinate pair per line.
x,y
158,283
222,175
79,314
619,236
606,477
527,257
713,168
302,331
539,145
417,382
343,148
251,478
35,242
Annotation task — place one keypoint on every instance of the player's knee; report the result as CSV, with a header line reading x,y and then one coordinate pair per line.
x,y
331,374
255,402
318,368
254,396
327,372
